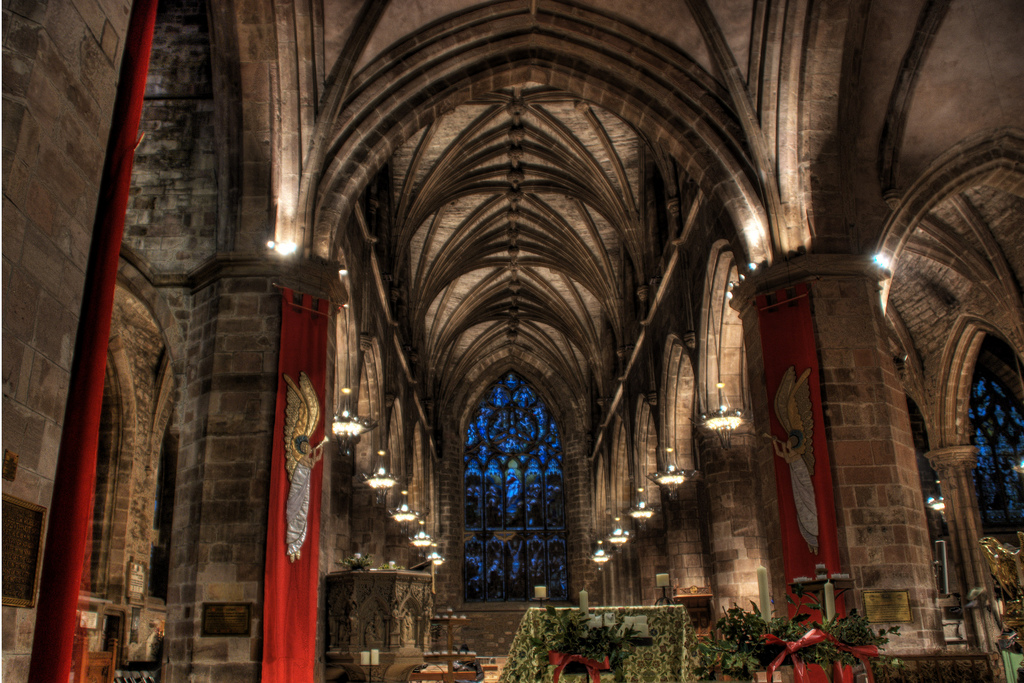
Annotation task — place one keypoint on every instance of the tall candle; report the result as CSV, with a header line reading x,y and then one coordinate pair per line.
x,y
584,602
364,658
662,580
762,590
374,657
830,601
540,592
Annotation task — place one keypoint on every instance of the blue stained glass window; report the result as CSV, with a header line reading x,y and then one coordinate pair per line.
x,y
998,422
514,482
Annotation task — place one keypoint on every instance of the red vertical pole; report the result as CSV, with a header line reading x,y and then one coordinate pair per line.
x,y
75,479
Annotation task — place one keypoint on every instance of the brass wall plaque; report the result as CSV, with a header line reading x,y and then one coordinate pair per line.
x,y
23,525
227,618
887,606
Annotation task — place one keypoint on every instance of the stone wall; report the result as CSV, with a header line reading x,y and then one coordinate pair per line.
x,y
172,213
60,69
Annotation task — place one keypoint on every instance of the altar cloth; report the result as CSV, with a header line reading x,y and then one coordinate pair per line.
x,y
667,659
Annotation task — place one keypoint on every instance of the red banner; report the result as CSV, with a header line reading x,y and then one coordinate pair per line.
x,y
803,469
290,587
74,481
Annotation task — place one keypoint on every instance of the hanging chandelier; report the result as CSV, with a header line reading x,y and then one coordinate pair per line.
x,y
641,511
722,421
380,479
348,425
619,537
670,477
403,514
600,556
421,539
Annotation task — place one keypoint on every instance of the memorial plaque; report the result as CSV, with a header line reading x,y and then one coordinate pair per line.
x,y
136,581
23,525
227,618
887,606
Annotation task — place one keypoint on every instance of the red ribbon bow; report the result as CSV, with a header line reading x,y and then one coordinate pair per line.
x,y
562,660
813,637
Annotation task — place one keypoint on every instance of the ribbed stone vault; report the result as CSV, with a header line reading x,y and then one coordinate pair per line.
x,y
518,221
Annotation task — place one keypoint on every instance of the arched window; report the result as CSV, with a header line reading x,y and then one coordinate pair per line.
x,y
999,436
515,502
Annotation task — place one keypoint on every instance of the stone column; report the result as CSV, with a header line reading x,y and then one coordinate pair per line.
x,y
955,466
737,538
883,533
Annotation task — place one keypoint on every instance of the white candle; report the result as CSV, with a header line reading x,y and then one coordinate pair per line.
x,y
584,602
762,589
540,592
364,658
662,580
830,601
374,657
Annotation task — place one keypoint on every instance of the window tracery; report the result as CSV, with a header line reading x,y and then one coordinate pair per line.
x,y
514,501
999,437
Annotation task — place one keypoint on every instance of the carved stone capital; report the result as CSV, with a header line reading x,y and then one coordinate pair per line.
x,y
365,342
953,458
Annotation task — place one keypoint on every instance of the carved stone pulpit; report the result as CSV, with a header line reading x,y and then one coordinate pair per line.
x,y
385,610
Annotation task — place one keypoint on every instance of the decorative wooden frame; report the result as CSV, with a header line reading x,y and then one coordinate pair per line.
x,y
32,520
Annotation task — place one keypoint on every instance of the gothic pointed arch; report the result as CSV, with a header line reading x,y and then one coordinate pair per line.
x,y
514,501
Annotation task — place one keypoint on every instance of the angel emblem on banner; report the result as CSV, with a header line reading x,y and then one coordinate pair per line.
x,y
302,414
793,410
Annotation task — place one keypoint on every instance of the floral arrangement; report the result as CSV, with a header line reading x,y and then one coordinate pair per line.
x,y
569,633
358,562
749,643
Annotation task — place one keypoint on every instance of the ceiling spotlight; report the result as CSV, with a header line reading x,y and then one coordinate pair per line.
x,y
882,260
283,248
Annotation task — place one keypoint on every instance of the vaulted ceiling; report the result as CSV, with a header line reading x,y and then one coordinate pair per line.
x,y
515,217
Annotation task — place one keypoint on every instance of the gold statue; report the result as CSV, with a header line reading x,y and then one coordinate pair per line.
x,y
302,414
794,412
1004,561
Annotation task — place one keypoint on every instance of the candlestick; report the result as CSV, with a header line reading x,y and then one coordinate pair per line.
x,y
830,601
584,602
762,589
364,658
661,580
540,592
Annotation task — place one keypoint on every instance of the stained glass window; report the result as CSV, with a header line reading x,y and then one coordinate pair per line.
x,y
515,500
999,436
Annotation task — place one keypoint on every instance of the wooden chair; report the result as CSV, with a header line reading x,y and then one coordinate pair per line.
x,y
94,667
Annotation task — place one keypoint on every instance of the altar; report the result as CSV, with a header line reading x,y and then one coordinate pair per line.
x,y
664,656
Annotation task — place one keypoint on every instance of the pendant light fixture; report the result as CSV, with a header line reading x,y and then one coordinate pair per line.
x,y
348,425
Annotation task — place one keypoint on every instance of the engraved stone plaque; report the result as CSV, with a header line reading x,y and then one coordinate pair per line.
x,y
23,525
227,618
887,606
